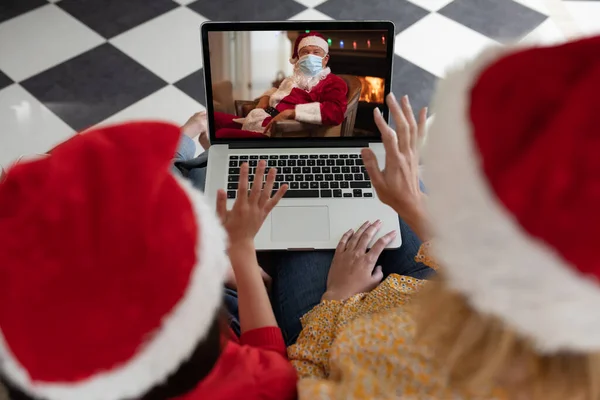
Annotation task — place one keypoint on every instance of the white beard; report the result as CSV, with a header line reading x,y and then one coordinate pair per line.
x,y
307,82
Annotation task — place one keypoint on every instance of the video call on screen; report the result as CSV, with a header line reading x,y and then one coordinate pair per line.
x,y
261,89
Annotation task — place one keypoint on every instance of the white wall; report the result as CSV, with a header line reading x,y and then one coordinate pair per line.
x,y
270,53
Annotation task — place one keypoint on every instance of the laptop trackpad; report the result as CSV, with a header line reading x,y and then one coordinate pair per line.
x,y
300,224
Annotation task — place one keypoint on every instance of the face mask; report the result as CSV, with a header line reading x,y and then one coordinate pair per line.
x,y
310,64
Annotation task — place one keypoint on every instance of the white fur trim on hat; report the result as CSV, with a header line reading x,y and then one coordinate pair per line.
x,y
171,345
311,41
486,254
314,41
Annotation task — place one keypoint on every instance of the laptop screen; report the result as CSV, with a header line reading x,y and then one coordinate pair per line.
x,y
297,83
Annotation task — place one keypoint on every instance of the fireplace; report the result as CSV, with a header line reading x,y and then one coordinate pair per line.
x,y
373,89
364,55
371,69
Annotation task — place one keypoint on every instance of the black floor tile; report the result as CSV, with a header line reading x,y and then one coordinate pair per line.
x,y
401,12
4,80
193,86
236,10
504,19
414,81
111,17
12,8
93,86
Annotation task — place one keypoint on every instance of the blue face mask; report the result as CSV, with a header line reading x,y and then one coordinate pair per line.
x,y
310,64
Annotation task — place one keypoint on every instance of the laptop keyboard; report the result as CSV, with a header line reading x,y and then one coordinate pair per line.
x,y
307,175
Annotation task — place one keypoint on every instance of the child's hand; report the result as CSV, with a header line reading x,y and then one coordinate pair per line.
x,y
251,208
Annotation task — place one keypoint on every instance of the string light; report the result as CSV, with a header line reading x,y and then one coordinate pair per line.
x,y
329,41
354,45
369,44
307,31
341,44
383,40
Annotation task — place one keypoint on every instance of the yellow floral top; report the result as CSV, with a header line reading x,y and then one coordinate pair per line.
x,y
363,348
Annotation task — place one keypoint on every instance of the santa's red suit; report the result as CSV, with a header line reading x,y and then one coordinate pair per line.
x,y
324,104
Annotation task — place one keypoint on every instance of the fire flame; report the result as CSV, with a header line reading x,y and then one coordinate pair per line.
x,y
372,89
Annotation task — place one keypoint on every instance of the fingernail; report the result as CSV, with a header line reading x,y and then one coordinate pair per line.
x,y
393,97
377,110
378,222
406,100
393,233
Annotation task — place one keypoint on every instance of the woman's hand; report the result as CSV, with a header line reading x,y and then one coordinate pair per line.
x,y
398,184
197,125
353,268
251,208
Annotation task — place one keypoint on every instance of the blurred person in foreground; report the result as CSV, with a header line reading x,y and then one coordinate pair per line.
x,y
512,218
111,277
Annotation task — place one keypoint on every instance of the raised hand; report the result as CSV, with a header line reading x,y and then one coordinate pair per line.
x,y
251,207
242,224
397,185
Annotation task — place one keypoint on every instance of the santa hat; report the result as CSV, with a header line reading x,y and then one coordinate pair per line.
x,y
309,39
514,175
111,267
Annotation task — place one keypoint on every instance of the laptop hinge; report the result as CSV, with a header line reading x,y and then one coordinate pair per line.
x,y
274,143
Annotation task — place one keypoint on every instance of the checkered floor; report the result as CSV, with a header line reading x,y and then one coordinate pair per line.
x,y
66,65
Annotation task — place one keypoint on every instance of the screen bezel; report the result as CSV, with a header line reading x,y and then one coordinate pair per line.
x,y
211,26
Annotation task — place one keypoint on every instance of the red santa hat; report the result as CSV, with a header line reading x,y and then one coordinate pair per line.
x,y
309,39
111,267
513,168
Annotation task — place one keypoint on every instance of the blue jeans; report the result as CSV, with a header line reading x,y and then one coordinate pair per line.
x,y
300,278
231,305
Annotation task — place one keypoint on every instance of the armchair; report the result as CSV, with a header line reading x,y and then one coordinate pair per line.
x,y
301,129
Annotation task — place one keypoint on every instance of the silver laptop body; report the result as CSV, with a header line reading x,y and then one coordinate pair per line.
x,y
329,190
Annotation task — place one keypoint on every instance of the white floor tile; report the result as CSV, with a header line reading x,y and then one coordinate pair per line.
x,y
40,39
586,15
168,45
310,15
311,3
540,6
431,5
28,127
169,104
547,33
435,43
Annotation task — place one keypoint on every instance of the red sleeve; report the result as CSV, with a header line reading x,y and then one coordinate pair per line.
x,y
331,107
273,376
268,338
250,371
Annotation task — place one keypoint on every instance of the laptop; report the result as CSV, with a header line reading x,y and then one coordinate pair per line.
x,y
300,95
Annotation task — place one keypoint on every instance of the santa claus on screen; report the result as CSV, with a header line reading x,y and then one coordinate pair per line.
x,y
312,94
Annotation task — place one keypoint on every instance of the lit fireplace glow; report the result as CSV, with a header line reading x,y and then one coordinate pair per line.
x,y
372,89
